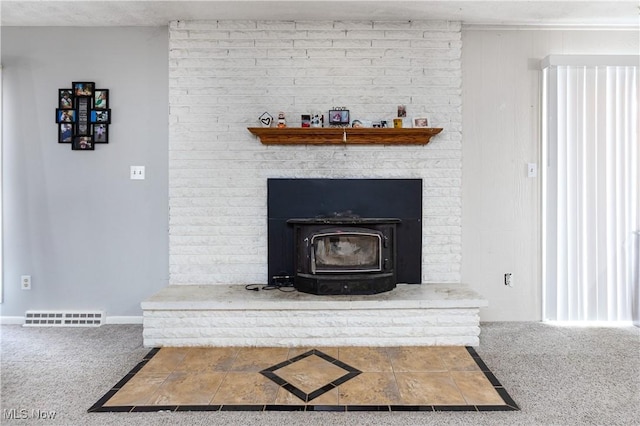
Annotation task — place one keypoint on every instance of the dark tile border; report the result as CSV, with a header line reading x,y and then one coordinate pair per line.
x,y
153,408
99,406
411,407
454,408
277,407
198,407
326,408
510,404
246,407
368,408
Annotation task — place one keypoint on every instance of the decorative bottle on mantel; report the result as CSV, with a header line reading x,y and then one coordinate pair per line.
x,y
281,120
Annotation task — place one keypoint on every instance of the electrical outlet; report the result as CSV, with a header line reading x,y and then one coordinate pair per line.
x,y
507,279
25,282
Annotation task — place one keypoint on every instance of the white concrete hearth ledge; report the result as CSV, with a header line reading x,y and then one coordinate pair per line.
x,y
230,315
404,296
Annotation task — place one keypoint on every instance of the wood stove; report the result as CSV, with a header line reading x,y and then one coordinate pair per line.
x,y
344,254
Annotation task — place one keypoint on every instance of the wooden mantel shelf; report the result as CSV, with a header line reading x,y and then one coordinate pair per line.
x,y
343,136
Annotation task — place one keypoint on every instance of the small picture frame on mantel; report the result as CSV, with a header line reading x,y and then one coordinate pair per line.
x,y
339,117
420,122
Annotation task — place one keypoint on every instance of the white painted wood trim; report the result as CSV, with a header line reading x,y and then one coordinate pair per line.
x,y
134,319
590,60
11,320
538,27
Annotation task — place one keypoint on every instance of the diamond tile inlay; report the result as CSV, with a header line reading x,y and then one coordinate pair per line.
x,y
311,374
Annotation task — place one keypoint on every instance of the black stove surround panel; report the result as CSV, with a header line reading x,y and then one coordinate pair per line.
x,y
377,223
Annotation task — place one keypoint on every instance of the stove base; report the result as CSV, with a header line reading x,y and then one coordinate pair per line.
x,y
341,284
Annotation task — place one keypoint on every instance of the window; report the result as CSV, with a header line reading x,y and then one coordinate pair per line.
x,y
590,201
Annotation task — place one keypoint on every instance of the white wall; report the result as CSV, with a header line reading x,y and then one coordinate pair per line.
x,y
501,222
224,74
89,237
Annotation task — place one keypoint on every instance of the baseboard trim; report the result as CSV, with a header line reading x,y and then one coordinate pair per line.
x,y
124,320
11,320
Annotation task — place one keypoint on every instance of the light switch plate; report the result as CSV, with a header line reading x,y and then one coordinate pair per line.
x,y
532,170
137,172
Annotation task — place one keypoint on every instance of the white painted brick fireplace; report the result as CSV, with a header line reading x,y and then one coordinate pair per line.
x,y
224,74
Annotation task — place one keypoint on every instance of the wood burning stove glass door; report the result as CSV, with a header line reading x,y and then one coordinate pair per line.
x,y
352,252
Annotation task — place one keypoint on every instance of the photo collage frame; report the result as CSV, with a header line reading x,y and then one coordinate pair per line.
x,y
83,115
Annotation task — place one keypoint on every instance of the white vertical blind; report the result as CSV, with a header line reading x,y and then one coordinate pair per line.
x,y
591,190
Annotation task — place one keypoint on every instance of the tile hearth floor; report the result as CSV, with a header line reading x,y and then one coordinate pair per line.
x,y
329,379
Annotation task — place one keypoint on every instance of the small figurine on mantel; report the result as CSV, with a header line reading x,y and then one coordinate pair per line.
x,y
266,119
281,120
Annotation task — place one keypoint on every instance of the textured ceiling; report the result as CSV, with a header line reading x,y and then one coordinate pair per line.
x,y
155,13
